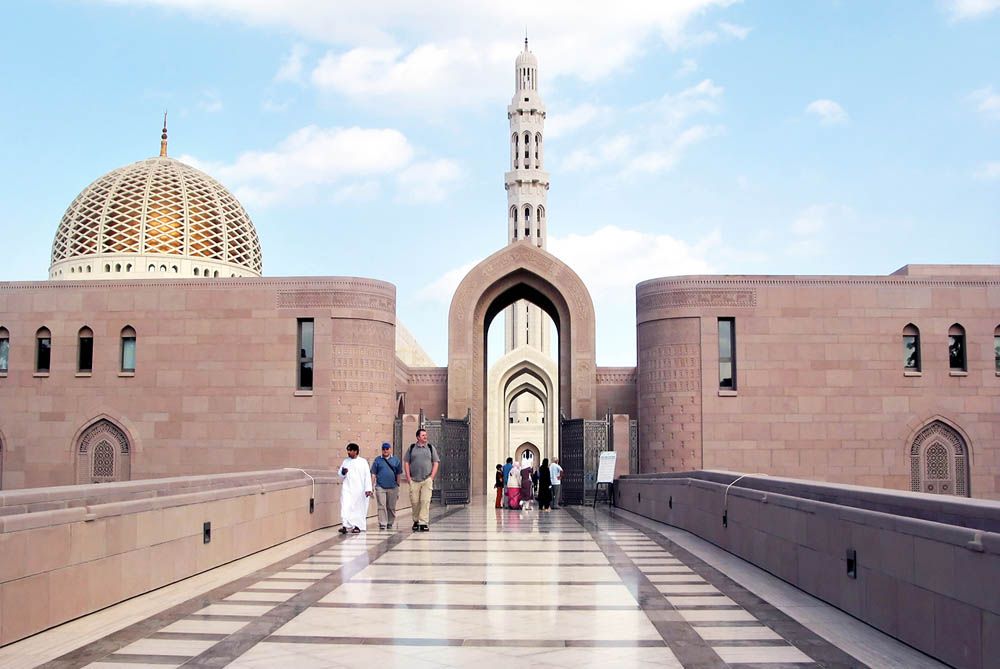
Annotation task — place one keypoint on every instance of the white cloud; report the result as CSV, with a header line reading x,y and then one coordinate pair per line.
x,y
661,133
210,102
989,171
292,65
429,181
987,102
828,112
733,30
634,255
443,288
407,52
688,66
808,230
559,124
343,162
964,10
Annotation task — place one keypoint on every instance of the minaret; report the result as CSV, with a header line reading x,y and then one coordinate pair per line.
x,y
527,186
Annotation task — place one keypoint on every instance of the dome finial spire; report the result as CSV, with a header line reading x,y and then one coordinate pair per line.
x,y
163,137
525,38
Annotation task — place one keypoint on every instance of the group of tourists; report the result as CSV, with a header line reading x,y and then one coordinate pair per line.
x,y
359,481
519,485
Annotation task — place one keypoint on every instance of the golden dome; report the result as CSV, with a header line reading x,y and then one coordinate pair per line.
x,y
155,217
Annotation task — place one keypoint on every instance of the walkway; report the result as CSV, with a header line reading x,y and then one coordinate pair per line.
x,y
485,588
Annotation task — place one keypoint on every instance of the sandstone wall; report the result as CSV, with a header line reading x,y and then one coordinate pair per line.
x,y
214,389
821,390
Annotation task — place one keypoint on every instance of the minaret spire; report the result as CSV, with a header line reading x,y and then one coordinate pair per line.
x,y
527,185
163,137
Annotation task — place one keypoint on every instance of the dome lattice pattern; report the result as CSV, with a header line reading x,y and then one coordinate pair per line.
x,y
151,210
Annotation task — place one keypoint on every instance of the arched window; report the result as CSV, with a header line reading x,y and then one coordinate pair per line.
x,y
85,350
527,150
538,149
196,271
996,348
128,349
514,144
103,454
107,267
215,274
939,461
163,268
4,350
527,220
88,269
174,268
911,348
43,351
152,268
957,358
128,267
118,267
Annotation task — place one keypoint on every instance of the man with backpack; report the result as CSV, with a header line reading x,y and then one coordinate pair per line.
x,y
421,464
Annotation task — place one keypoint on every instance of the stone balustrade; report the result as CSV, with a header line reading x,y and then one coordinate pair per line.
x,y
70,550
874,553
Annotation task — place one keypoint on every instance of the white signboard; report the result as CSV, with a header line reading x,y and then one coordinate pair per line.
x,y
606,467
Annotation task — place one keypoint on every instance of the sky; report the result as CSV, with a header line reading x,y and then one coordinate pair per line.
x,y
370,138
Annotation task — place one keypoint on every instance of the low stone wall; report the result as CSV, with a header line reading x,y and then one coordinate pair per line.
x,y
933,585
70,550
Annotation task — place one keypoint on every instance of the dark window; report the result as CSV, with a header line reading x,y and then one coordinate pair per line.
x,y
43,351
727,354
4,349
128,349
956,348
85,351
996,350
911,348
305,376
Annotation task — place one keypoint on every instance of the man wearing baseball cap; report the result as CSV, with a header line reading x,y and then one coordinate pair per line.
x,y
386,470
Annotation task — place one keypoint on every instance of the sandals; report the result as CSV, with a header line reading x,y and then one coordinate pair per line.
x,y
356,530
342,530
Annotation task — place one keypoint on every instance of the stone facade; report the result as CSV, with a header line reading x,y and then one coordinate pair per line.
x,y
821,389
214,387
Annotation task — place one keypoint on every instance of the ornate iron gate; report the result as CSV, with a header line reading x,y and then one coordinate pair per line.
x,y
580,444
633,447
450,436
397,438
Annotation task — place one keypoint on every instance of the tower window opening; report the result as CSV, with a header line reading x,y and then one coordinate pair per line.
x,y
85,350
128,349
957,360
43,351
305,369
4,350
911,348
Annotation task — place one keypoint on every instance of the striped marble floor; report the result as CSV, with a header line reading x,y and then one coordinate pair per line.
x,y
484,588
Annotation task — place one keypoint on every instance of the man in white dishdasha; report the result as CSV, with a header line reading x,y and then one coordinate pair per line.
x,y
355,489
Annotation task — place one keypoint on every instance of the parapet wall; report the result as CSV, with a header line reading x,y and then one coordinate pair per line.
x,y
68,551
933,585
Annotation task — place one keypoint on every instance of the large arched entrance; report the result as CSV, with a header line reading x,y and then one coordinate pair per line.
x,y
518,272
523,371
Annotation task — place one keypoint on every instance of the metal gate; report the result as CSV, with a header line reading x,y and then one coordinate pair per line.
x,y
633,446
450,436
580,444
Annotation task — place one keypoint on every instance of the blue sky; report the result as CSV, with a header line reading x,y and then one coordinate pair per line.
x,y
369,139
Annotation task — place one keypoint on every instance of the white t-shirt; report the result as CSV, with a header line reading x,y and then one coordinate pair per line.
x,y
555,471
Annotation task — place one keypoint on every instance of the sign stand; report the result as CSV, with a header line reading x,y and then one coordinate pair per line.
x,y
605,475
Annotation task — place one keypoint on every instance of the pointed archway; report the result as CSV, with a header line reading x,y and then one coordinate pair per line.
x,y
518,272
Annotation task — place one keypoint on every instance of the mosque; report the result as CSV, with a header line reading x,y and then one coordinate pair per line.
x,y
157,348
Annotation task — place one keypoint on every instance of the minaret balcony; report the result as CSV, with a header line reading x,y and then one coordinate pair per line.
x,y
526,176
